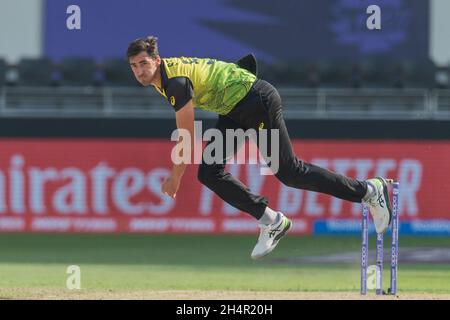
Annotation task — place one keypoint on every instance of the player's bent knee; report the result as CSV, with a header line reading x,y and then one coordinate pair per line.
x,y
206,173
291,177
289,180
294,175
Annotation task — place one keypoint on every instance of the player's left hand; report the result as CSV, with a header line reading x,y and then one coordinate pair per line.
x,y
170,186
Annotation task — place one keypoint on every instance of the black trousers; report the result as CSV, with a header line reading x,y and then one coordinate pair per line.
x,y
262,104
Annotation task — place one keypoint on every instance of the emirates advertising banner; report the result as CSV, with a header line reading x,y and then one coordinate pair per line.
x,y
114,186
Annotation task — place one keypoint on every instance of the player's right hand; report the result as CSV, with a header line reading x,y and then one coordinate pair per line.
x,y
170,186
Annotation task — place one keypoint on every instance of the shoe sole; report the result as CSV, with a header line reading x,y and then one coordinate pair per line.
x,y
276,240
386,196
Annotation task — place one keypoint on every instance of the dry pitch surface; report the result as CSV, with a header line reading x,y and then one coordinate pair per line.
x,y
48,294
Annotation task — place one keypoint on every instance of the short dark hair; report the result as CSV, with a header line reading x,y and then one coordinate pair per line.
x,y
148,44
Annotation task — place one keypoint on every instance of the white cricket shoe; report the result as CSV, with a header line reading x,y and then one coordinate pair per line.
x,y
269,236
379,204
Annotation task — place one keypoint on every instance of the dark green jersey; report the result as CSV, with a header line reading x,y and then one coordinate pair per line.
x,y
212,85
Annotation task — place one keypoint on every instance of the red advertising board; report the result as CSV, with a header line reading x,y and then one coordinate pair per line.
x,y
113,185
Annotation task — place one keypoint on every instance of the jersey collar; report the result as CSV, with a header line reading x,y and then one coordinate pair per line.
x,y
164,78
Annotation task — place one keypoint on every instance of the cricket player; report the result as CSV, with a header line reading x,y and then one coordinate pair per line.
x,y
242,101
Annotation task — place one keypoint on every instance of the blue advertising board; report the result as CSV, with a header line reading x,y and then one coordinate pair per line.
x,y
228,29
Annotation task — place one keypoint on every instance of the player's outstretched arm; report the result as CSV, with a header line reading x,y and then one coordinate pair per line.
x,y
185,117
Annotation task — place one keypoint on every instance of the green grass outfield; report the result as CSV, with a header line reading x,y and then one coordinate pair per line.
x,y
127,263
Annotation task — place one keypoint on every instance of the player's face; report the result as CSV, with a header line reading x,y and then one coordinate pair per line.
x,y
145,68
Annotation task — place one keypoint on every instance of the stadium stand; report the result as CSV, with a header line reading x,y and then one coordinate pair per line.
x,y
337,74
442,77
117,72
373,87
2,72
418,74
35,72
78,72
379,73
